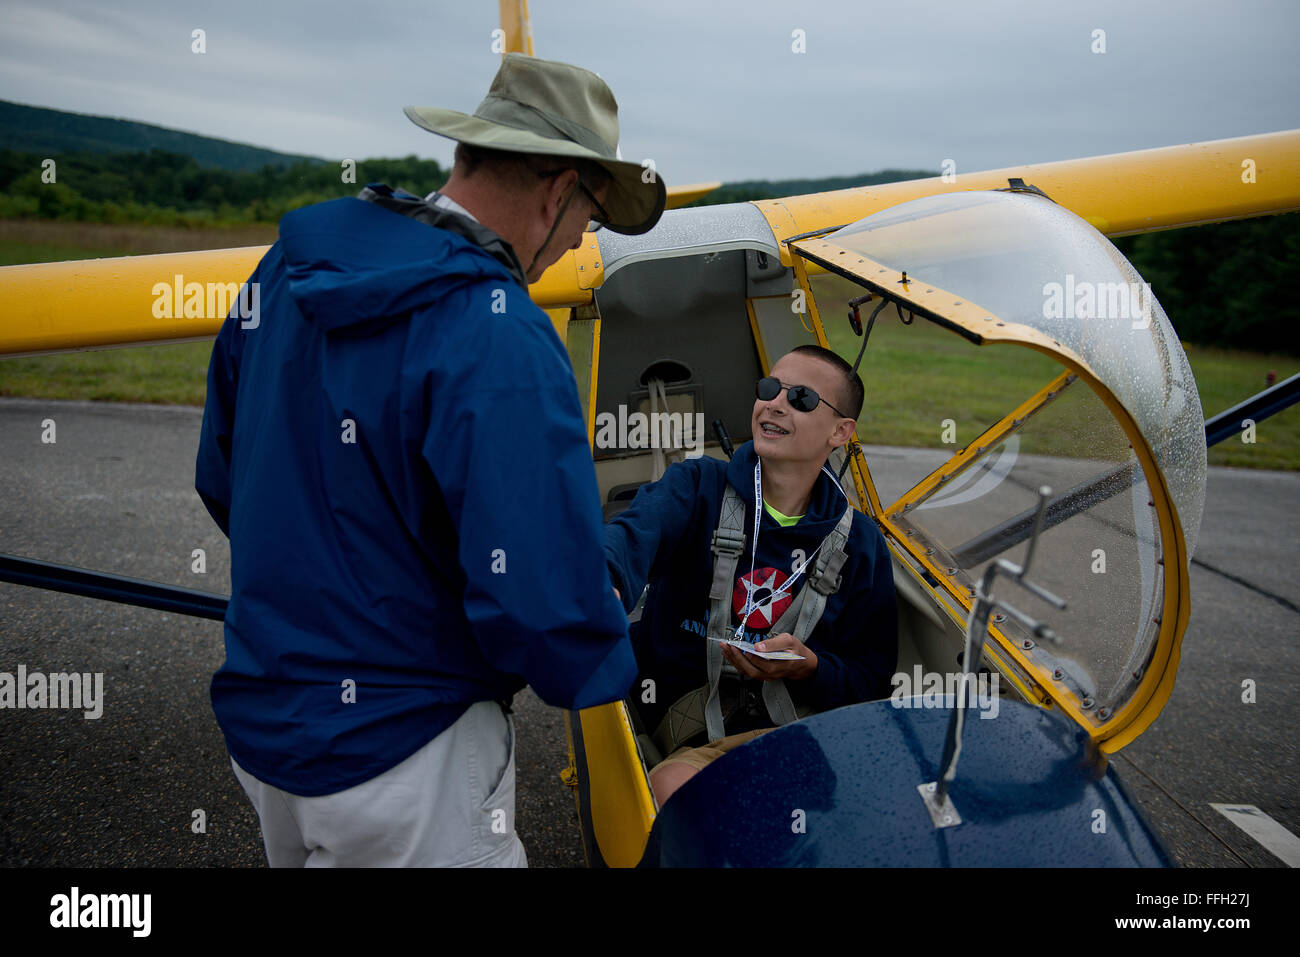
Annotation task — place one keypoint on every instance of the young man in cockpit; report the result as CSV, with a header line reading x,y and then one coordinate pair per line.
x,y
804,583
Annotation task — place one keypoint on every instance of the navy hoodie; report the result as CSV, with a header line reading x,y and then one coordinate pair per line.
x,y
396,450
664,540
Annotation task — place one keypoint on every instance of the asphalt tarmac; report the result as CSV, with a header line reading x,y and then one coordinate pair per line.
x,y
114,492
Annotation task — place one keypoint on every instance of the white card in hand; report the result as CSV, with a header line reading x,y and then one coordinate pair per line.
x,y
769,655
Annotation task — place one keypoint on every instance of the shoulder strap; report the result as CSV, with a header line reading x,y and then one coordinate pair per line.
x,y
701,709
806,610
728,545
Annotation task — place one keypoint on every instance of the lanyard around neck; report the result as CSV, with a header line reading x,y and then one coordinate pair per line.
x,y
752,606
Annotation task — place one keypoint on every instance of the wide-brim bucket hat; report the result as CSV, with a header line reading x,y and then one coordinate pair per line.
x,y
556,109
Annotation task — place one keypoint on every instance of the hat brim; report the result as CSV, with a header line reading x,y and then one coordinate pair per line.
x,y
637,195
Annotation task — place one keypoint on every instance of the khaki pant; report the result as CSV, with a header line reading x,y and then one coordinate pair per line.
x,y
701,757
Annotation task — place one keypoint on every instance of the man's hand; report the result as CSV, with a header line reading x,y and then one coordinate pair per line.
x,y
751,666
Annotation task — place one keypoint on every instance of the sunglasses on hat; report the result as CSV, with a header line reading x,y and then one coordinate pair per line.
x,y
801,397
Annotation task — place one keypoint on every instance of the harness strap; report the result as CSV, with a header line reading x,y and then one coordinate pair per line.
x,y
806,610
826,572
701,709
728,544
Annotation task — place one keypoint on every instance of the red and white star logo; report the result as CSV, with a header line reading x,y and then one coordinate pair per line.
x,y
756,588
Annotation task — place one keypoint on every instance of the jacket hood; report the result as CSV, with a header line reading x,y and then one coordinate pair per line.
x,y
350,262
825,507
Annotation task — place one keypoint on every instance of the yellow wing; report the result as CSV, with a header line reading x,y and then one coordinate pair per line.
x,y
56,307
682,195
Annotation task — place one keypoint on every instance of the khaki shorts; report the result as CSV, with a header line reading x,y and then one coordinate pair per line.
x,y
701,757
450,804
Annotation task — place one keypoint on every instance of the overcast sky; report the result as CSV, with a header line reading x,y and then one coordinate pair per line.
x,y
708,89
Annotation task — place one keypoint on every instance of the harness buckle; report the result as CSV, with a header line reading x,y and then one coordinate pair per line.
x,y
731,544
819,579
825,584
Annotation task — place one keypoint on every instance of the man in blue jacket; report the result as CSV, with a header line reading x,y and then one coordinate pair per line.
x,y
802,589
394,444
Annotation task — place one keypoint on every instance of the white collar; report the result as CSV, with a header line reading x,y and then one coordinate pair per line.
x,y
446,202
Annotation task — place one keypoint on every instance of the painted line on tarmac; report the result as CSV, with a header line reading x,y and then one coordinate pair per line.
x,y
1276,839
1128,759
1284,602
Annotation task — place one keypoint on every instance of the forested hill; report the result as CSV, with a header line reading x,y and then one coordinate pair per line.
x,y
34,129
111,170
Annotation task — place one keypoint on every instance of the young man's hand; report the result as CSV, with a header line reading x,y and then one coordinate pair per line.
x,y
751,666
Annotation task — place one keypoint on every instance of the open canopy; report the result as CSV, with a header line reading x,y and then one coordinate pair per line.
x,y
1118,435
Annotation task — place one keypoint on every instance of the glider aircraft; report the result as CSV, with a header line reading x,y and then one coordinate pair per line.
x,y
995,547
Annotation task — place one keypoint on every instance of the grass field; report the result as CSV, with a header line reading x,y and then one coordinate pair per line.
x,y
916,376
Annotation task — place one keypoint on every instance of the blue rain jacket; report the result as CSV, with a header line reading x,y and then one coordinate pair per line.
x,y
664,540
395,447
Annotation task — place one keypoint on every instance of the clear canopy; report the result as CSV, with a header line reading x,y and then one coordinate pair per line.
x,y
1028,261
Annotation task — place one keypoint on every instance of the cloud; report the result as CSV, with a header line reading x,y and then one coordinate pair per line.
x,y
711,91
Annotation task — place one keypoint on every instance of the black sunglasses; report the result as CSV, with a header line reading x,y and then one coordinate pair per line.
x,y
801,397
592,224
603,217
